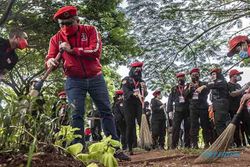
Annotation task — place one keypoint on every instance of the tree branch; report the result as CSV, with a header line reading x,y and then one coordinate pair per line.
x,y
7,12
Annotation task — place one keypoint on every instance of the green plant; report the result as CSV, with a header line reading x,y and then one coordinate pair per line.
x,y
65,136
102,152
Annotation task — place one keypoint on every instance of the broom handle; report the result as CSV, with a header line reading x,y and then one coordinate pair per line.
x,y
141,97
48,71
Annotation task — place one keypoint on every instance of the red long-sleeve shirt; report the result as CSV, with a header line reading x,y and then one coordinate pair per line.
x,y
87,46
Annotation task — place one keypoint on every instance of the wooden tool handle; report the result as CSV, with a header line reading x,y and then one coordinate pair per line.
x,y
58,57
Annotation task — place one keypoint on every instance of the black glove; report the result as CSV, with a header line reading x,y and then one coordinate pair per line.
x,y
38,85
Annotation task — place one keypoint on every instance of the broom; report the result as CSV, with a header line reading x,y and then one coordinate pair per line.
x,y
221,144
145,134
35,91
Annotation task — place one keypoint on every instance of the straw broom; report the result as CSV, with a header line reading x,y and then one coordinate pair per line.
x,y
35,91
145,134
221,144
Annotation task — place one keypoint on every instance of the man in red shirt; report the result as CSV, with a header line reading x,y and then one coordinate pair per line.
x,y
81,48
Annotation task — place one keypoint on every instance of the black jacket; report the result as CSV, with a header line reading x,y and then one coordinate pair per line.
x,y
118,111
128,86
8,57
219,89
234,102
219,94
174,97
157,112
201,102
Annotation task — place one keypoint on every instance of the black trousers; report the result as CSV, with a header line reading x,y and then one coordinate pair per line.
x,y
195,115
180,116
133,113
158,131
121,132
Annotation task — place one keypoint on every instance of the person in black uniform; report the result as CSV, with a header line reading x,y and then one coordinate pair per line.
x,y
148,113
95,124
178,101
8,57
134,89
234,103
220,95
198,107
118,111
61,110
158,121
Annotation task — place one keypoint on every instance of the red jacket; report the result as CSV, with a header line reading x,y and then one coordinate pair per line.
x,y
87,45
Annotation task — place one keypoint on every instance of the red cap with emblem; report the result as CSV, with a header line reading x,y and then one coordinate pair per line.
x,y
62,93
234,72
180,74
195,70
156,92
234,42
136,64
119,92
65,12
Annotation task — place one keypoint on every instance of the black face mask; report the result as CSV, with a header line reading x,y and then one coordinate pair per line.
x,y
195,78
136,74
181,81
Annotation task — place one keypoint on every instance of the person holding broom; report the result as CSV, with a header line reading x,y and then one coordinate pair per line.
x,y
134,88
8,57
81,49
158,121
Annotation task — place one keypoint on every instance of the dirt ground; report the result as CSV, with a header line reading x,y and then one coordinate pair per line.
x,y
173,158
169,158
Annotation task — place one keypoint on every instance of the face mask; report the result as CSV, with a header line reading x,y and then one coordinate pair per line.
x,y
22,43
160,96
238,78
195,78
137,72
69,30
243,54
181,81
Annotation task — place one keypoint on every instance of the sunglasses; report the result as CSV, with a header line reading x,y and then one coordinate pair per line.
x,y
66,23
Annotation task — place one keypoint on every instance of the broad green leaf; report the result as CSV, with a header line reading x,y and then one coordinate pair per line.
x,y
75,148
83,157
108,160
92,165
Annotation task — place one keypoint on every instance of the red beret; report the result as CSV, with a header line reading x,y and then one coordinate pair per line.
x,y
119,92
62,93
136,64
234,72
195,70
157,92
217,70
180,74
65,12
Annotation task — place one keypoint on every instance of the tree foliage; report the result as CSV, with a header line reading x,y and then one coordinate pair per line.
x,y
35,17
177,35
